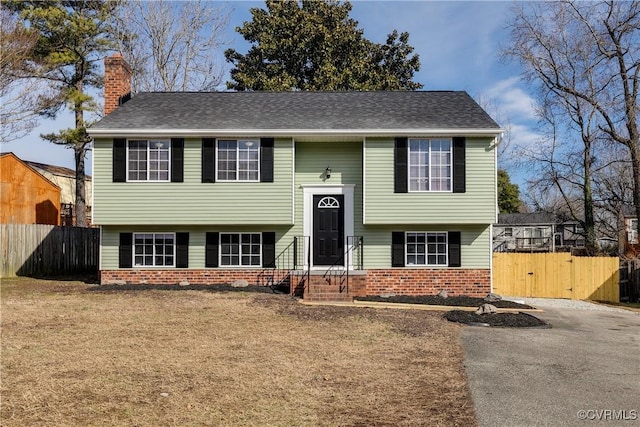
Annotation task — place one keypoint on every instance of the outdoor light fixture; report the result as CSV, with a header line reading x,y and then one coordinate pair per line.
x,y
327,172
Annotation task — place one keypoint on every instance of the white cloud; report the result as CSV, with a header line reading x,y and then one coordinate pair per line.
x,y
514,101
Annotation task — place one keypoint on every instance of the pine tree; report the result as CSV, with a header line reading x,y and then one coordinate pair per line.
x,y
73,37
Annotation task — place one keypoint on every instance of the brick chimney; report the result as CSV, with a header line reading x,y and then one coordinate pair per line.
x,y
117,82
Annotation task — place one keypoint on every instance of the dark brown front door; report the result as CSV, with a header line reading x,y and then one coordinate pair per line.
x,y
328,229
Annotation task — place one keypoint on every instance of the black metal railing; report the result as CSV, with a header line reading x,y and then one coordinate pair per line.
x,y
278,274
304,263
351,259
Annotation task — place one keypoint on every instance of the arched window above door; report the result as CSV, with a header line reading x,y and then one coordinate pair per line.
x,y
328,202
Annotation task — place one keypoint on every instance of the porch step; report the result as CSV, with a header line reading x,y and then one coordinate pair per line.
x,y
326,288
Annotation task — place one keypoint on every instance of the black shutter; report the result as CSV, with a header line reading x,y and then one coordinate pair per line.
x,y
266,159
454,249
268,249
119,160
125,251
211,250
182,250
177,159
459,165
208,160
400,165
397,249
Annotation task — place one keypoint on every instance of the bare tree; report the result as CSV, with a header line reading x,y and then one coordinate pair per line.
x,y
173,46
585,57
18,92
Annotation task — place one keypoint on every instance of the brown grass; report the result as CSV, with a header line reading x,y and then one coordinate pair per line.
x,y
76,356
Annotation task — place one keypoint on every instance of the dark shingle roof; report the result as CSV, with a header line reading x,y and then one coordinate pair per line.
x,y
55,170
299,110
531,218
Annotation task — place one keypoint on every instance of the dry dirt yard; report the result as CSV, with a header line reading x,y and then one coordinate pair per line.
x,y
73,354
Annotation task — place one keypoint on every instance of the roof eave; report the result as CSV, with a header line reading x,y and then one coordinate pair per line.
x,y
134,133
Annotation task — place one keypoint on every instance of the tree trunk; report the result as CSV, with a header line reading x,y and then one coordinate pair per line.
x,y
635,165
80,151
589,222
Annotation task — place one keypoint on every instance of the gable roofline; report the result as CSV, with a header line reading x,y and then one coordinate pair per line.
x,y
141,133
34,170
55,170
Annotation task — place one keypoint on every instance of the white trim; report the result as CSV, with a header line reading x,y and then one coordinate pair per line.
x,y
293,179
498,140
426,251
364,180
237,141
148,141
93,212
239,233
230,133
154,233
309,191
490,257
429,165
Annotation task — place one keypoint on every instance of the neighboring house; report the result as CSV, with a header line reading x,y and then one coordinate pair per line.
x,y
27,197
395,190
536,232
628,238
65,178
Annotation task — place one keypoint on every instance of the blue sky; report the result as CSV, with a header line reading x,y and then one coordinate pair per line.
x,y
458,43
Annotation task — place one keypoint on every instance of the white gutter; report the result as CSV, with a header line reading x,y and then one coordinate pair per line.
x,y
221,133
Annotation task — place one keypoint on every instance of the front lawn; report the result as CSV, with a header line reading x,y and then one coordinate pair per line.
x,y
76,355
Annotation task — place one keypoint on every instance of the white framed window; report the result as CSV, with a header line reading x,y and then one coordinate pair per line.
x,y
148,160
241,249
508,232
328,202
426,248
430,164
633,232
154,249
535,236
238,160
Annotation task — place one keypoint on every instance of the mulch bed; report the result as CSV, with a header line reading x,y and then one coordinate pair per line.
x,y
513,320
510,320
458,301
175,287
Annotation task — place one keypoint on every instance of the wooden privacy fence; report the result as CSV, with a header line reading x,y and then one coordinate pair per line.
x,y
42,250
630,280
556,275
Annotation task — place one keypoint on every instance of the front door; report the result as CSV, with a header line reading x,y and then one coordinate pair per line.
x,y
328,229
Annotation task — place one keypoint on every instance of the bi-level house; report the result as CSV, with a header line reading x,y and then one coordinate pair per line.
x,y
359,192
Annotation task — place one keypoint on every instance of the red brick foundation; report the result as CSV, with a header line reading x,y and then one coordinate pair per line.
x,y
397,281
405,281
174,276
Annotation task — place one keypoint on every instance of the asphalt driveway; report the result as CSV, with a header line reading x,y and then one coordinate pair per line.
x,y
585,370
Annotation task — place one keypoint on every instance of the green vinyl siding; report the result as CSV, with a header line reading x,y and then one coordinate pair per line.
x,y
312,158
476,206
475,244
475,249
110,240
192,202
